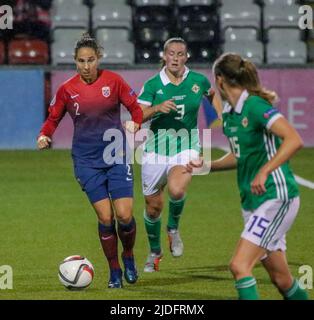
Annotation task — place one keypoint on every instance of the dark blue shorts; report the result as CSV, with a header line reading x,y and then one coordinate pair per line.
x,y
101,183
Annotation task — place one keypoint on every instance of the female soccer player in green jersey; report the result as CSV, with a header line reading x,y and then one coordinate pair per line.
x,y
262,141
171,100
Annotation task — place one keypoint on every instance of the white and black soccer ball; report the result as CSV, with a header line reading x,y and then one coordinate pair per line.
x,y
76,272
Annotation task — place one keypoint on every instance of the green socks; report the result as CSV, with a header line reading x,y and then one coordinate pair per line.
x,y
247,289
153,227
296,292
175,211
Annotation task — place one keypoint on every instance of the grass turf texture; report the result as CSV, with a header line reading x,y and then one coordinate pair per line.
x,y
44,217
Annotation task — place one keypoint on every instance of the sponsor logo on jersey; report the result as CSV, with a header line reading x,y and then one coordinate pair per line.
x,y
74,96
270,112
195,88
105,91
160,91
245,122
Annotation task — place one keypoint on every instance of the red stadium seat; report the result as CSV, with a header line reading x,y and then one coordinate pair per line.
x,y
23,51
2,52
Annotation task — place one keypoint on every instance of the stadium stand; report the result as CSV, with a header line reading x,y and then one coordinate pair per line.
x,y
2,52
70,13
111,15
209,26
235,15
63,44
23,51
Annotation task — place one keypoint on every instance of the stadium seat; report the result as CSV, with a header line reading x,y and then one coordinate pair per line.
x,y
183,3
149,35
198,34
241,34
143,3
72,14
24,51
112,15
2,52
152,54
233,15
201,52
201,16
278,34
277,15
153,16
118,53
310,50
252,50
62,49
286,52
112,35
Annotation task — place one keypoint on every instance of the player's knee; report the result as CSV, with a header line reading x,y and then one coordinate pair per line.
x,y
282,282
177,193
239,269
154,208
105,220
124,216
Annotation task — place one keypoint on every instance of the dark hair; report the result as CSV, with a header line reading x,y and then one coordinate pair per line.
x,y
87,41
239,72
170,41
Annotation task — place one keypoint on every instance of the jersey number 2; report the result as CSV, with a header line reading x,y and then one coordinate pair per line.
x,y
76,105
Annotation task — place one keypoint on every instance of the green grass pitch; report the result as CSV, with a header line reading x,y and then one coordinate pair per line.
x,y
44,217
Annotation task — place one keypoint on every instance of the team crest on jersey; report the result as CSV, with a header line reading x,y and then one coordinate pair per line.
x,y
245,122
195,88
105,91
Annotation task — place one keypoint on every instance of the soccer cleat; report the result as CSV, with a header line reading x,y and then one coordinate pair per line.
x,y
152,262
130,272
115,280
175,243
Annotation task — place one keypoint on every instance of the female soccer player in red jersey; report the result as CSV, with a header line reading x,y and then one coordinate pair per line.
x,y
92,98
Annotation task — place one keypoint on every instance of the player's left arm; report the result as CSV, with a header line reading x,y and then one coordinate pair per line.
x,y
291,143
129,99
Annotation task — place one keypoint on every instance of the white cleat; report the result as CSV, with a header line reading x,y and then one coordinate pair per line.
x,y
175,243
152,262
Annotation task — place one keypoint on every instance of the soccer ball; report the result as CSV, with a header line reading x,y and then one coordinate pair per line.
x,y
76,272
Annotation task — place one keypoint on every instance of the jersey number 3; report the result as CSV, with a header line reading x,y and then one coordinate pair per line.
x,y
180,111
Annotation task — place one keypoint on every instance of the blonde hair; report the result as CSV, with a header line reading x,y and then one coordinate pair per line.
x,y
170,41
239,72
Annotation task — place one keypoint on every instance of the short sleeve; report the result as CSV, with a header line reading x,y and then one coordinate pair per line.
x,y
206,86
263,113
146,95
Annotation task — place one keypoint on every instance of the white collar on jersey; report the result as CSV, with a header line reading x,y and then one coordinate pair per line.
x,y
240,103
165,79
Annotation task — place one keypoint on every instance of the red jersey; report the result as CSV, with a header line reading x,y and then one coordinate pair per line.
x,y
94,108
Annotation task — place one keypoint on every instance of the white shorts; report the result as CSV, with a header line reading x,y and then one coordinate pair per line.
x,y
268,224
155,168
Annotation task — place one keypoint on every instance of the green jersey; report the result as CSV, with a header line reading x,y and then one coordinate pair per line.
x,y
176,131
247,128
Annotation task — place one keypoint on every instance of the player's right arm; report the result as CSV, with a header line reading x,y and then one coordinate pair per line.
x,y
57,110
164,107
226,162
146,100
